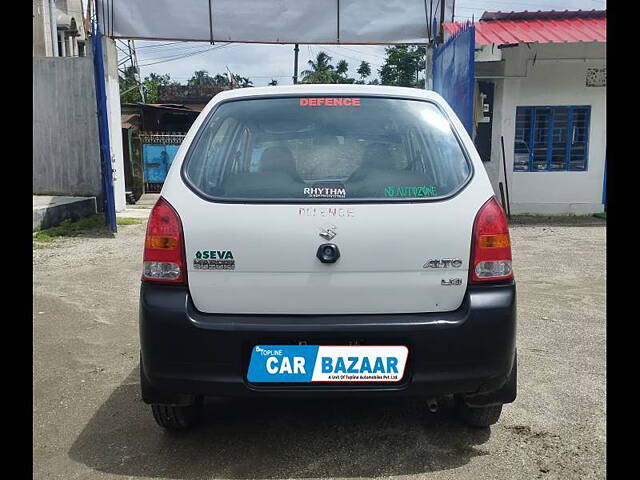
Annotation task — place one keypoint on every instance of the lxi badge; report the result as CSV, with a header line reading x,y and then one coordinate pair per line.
x,y
327,363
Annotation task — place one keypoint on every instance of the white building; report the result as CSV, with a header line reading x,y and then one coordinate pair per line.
x,y
70,87
68,23
540,85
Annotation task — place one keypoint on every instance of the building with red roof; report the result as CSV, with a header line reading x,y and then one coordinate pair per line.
x,y
540,87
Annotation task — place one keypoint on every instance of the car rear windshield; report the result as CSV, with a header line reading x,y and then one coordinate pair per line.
x,y
326,149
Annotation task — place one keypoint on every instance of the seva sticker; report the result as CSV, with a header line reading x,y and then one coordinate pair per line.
x,y
412,191
214,260
327,363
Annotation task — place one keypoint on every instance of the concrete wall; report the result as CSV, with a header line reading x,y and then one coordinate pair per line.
x,y
66,154
556,78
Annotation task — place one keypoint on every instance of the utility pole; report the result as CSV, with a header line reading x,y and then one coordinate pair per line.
x,y
136,68
295,64
130,58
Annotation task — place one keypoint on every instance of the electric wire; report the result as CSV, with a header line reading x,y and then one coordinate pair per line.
x,y
189,54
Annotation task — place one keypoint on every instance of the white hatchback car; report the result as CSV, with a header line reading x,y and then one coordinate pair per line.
x,y
318,240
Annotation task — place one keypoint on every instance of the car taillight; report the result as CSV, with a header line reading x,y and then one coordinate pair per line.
x,y
164,246
490,245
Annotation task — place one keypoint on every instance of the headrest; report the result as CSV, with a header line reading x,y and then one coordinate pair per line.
x,y
378,155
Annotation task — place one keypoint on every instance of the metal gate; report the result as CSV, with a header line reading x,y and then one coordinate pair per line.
x,y
158,152
454,73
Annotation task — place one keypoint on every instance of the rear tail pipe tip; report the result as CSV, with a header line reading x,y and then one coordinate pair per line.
x,y
432,404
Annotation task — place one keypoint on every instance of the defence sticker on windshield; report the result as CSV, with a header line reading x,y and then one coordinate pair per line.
x,y
329,102
415,191
325,190
214,260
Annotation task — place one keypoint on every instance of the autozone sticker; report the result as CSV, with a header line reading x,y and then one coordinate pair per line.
x,y
327,363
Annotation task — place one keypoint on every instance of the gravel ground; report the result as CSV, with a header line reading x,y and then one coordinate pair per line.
x,y
89,420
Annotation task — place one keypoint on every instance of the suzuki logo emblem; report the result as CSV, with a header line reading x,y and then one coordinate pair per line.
x,y
328,231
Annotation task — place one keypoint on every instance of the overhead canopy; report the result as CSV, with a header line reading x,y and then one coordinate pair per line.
x,y
273,21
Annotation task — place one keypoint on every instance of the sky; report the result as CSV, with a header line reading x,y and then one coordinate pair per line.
x,y
262,63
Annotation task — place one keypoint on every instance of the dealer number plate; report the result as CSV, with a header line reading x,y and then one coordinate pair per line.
x,y
327,363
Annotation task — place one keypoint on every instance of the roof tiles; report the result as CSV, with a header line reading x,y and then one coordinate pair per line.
x,y
538,27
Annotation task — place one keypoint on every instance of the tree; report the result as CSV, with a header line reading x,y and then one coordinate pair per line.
x,y
221,80
402,65
130,90
201,78
151,84
364,70
340,75
238,81
342,68
321,70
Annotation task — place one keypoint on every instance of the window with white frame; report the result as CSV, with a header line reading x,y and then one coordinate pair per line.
x,y
551,138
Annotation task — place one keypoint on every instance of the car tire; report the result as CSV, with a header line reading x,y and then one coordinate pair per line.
x,y
175,418
479,417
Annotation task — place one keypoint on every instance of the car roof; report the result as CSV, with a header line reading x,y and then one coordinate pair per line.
x,y
328,89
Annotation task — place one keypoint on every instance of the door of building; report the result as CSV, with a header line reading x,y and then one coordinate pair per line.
x,y
484,120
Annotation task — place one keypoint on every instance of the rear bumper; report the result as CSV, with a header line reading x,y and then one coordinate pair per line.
x,y
183,351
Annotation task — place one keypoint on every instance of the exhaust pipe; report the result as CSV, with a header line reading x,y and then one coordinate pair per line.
x,y
432,404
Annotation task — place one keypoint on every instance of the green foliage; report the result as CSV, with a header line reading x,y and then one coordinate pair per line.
x,y
401,66
130,90
92,225
342,68
364,70
128,221
322,71
151,84
201,78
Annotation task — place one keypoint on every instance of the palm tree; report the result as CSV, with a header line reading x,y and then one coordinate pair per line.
x,y
364,70
321,70
342,68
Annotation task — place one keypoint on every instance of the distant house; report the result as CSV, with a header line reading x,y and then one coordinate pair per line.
x,y
70,32
152,133
540,86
